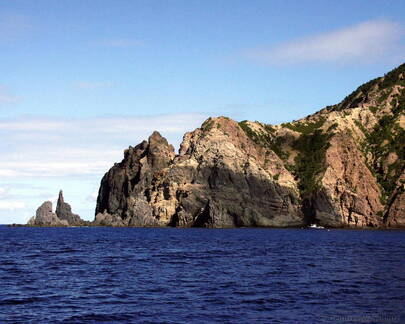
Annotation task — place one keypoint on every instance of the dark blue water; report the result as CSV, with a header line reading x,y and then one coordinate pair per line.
x,y
127,275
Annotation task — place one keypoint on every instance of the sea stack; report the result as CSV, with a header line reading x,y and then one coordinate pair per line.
x,y
63,215
64,212
46,217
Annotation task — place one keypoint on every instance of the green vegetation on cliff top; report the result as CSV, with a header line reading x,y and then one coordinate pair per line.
x,y
390,79
387,137
310,161
266,139
311,146
305,127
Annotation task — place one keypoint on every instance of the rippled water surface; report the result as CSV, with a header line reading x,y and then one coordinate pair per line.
x,y
110,275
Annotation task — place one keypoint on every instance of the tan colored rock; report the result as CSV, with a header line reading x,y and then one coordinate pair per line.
x,y
105,219
350,195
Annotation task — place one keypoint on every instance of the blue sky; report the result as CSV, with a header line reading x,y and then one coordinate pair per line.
x,y
82,80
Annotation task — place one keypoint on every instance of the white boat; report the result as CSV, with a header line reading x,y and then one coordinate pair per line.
x,y
316,226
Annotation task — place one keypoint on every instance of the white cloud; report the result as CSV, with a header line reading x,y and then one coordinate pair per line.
x,y
11,205
55,147
362,43
68,167
122,42
171,123
3,192
7,173
93,85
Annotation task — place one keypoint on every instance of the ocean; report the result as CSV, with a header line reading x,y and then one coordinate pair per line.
x,y
170,275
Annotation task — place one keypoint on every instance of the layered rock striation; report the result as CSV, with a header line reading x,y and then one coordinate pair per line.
x,y
340,167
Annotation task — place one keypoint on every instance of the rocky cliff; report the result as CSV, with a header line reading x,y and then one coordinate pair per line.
x,y
340,167
220,179
63,215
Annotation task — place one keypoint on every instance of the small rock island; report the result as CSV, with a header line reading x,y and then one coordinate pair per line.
x,y
62,216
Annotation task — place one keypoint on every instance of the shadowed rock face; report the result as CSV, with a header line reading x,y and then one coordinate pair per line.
x,y
64,212
340,167
129,179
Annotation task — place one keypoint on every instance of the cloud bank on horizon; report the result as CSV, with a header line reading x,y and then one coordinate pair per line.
x,y
55,147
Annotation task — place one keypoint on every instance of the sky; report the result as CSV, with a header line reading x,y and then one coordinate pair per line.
x,y
81,80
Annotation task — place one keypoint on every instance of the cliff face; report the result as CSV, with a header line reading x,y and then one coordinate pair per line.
x,y
348,194
219,179
341,167
124,189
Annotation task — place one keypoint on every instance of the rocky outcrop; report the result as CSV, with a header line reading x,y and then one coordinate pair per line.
x,y
64,212
219,179
349,194
122,191
63,215
340,167
105,219
45,217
